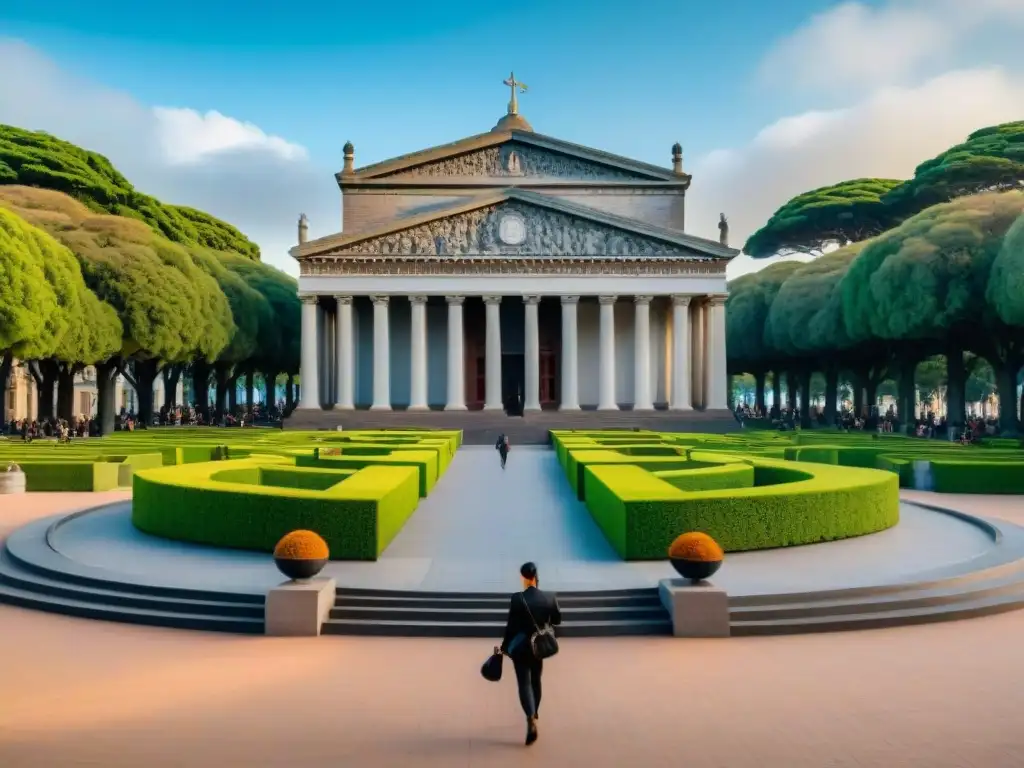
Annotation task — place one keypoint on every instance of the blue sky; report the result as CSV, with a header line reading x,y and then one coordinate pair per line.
x,y
398,76
768,99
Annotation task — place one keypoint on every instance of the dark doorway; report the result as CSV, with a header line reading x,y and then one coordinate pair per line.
x,y
513,383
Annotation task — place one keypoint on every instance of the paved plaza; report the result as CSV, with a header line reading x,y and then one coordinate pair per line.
x,y
77,692
480,523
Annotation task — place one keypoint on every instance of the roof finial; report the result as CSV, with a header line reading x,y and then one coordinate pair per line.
x,y
512,83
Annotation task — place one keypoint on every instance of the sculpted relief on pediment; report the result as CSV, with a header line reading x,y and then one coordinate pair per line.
x,y
514,229
513,160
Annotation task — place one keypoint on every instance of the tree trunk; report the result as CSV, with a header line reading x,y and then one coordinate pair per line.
x,y
859,401
831,394
269,390
956,384
106,407
289,393
759,392
222,377
6,366
233,395
805,399
201,386
172,375
250,386
907,395
1006,383
791,387
146,372
45,372
66,393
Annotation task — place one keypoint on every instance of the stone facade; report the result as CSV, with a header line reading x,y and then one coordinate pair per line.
x,y
547,232
516,160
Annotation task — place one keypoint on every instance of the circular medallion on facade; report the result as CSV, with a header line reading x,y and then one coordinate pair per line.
x,y
512,229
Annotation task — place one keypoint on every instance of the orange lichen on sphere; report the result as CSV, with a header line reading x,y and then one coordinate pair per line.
x,y
301,545
696,547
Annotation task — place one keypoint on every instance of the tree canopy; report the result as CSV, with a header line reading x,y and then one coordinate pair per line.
x,y
750,300
991,159
36,159
830,216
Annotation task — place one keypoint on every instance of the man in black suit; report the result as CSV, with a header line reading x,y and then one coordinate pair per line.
x,y
529,610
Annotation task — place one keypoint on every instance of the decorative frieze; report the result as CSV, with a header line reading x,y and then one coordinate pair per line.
x,y
538,231
327,267
513,159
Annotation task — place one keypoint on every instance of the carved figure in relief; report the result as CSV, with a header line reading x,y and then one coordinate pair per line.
x,y
513,164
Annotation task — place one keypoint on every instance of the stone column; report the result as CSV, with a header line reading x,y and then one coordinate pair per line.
x,y
680,398
606,384
697,354
642,399
570,355
716,394
345,356
456,356
309,376
418,349
492,355
381,355
531,398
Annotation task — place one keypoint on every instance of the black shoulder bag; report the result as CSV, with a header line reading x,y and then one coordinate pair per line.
x,y
543,642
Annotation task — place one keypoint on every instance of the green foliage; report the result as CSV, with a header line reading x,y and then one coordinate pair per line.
x,y
71,324
806,316
991,159
750,300
37,159
926,279
1005,477
1006,285
279,347
169,308
835,215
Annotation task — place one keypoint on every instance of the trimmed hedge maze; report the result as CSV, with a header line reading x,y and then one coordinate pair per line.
x,y
246,489
643,489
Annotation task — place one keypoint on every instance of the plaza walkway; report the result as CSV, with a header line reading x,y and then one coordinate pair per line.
x,y
76,692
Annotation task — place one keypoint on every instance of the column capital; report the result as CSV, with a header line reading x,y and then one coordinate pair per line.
x,y
607,300
492,300
679,300
643,299
380,299
531,300
343,299
455,299
718,299
417,299
309,298
570,299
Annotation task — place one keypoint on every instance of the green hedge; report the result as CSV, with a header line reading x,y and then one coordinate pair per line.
x,y
70,476
1006,477
641,514
251,504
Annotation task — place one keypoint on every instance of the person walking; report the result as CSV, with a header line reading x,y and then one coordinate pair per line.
x,y
529,638
502,447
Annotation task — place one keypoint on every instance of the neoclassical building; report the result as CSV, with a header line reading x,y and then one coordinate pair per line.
x,y
512,270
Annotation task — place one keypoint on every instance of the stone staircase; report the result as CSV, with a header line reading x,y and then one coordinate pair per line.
x,y
483,427
468,614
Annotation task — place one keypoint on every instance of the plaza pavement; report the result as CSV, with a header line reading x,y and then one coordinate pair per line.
x,y
83,693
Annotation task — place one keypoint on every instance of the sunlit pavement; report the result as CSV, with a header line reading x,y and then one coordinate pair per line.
x,y
77,692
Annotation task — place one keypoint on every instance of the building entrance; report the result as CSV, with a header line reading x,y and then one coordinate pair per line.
x,y
513,383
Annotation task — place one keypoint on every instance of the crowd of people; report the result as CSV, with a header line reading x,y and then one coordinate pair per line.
x,y
63,430
873,419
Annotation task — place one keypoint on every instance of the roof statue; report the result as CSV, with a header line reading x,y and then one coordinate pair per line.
x,y
723,229
512,119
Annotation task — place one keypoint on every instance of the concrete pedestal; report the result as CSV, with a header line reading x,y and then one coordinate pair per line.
x,y
299,608
12,482
697,610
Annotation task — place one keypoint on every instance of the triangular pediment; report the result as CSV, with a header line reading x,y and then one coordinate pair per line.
x,y
517,222
512,155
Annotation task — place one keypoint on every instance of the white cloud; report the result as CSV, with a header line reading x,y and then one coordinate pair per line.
x,y
229,168
885,136
858,44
